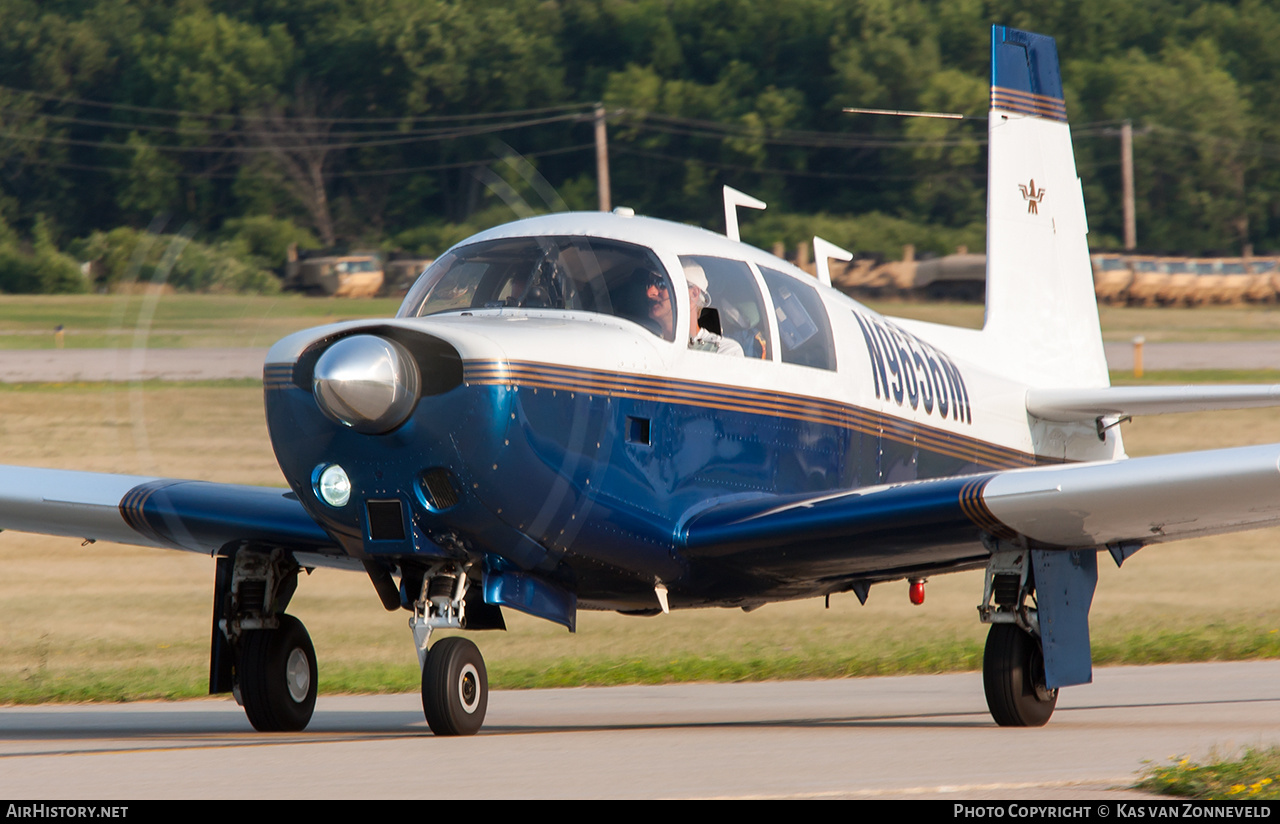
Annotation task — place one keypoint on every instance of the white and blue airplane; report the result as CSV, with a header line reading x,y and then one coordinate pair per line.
x,y
554,421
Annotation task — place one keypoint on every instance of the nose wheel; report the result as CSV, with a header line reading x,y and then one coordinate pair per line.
x,y
1013,678
277,676
455,687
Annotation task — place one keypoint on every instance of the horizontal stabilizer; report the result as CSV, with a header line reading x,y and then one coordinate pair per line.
x,y
1085,404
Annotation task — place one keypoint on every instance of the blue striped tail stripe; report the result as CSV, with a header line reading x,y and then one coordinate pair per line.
x,y
1035,105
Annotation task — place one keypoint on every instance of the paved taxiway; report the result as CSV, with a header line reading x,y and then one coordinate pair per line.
x,y
902,737
927,736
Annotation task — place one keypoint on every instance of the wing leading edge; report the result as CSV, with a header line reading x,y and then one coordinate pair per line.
x,y
196,516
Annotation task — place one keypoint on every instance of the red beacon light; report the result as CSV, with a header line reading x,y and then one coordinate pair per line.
x,y
915,590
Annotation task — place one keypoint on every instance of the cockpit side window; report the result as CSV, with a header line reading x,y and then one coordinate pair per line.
x,y
572,273
803,326
736,299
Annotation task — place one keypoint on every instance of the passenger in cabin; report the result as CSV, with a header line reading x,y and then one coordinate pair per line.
x,y
704,340
661,307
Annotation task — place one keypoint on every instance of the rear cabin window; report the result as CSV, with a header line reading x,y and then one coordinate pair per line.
x,y
573,273
736,299
804,331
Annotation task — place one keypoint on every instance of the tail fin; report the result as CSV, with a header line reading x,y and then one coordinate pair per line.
x,y
1042,314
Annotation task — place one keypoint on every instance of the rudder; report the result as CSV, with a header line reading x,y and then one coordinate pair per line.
x,y
1042,314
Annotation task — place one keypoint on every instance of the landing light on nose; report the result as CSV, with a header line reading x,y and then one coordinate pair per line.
x,y
333,486
366,382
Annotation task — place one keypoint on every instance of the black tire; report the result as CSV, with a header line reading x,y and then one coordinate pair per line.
x,y
278,677
455,687
1013,678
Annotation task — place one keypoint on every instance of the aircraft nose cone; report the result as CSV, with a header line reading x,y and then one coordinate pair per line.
x,y
366,382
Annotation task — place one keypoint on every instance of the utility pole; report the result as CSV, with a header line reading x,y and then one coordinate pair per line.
x,y
602,161
1126,179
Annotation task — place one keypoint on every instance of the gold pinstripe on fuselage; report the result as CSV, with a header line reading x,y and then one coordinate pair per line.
x,y
738,399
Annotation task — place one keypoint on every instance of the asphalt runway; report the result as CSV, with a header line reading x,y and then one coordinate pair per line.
x,y
902,737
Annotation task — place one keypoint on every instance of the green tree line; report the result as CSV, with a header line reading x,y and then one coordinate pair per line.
x,y
406,123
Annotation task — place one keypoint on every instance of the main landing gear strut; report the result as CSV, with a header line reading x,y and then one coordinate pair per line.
x,y
1013,664
278,676
266,657
261,654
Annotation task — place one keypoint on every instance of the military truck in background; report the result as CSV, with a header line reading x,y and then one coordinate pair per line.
x,y
961,276
1119,278
401,272
353,275
357,274
1153,280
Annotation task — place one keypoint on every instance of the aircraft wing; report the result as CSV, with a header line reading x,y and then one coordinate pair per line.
x,y
1083,404
1120,504
197,516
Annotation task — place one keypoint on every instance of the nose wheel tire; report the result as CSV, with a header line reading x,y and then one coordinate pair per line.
x,y
455,687
278,677
1013,678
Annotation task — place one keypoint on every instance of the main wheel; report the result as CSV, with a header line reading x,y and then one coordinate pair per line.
x,y
455,687
278,677
1013,678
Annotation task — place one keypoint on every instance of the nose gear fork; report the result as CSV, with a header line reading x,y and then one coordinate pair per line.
x,y
455,684
440,605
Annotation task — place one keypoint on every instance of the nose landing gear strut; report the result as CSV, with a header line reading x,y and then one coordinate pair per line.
x,y
455,684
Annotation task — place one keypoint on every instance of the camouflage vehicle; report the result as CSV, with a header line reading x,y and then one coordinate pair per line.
x,y
400,273
356,275
1149,276
1182,284
961,276
1111,278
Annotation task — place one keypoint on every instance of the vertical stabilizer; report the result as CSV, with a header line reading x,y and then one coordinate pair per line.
x,y
1042,315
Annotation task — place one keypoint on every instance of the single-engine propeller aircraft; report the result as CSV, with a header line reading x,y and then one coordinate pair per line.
x,y
534,430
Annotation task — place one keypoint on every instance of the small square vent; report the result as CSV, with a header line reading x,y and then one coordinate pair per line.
x,y
386,520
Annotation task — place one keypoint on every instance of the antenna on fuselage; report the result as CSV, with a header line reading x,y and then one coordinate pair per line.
x,y
823,250
732,200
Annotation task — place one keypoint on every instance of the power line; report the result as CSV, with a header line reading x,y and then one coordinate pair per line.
x,y
253,116
796,172
286,144
460,164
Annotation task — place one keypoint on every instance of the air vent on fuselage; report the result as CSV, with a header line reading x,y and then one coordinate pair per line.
x,y
386,520
638,430
438,488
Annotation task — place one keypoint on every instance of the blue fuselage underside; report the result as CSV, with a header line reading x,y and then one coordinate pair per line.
x,y
589,479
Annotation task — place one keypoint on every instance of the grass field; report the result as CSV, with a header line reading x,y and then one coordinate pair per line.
x,y
180,321
111,622
170,321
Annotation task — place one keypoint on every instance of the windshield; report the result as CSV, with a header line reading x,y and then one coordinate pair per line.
x,y
579,273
